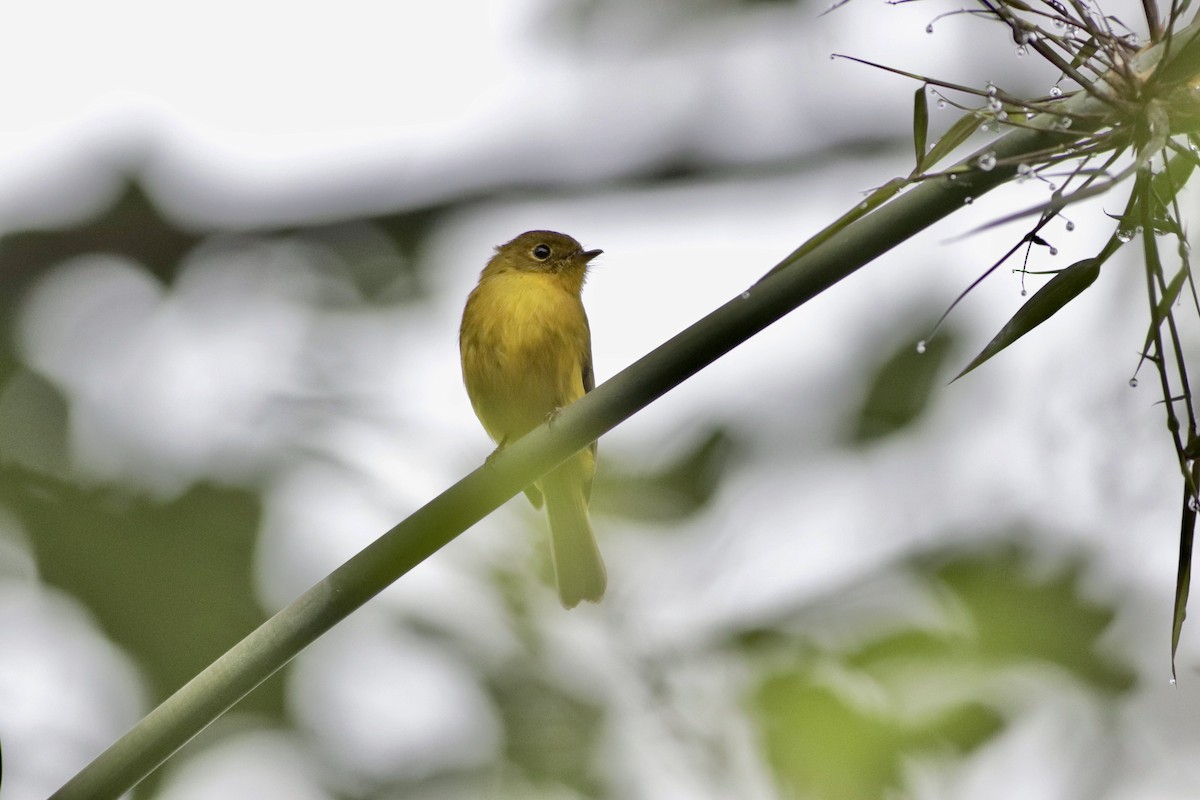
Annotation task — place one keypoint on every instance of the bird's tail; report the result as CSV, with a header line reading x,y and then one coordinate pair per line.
x,y
578,566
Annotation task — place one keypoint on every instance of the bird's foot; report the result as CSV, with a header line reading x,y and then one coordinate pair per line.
x,y
490,461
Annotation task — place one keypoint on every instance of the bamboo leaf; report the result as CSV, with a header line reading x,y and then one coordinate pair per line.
x,y
920,123
1163,308
1057,292
1183,580
958,133
875,199
1089,49
1167,182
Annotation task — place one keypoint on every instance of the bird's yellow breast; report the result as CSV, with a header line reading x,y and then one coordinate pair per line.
x,y
525,345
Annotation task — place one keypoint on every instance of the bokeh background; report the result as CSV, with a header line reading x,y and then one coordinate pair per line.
x,y
236,239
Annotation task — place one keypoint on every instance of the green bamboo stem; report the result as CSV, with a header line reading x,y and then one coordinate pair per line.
x,y
797,279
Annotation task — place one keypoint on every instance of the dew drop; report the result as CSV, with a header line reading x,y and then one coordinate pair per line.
x,y
1024,171
745,295
987,161
953,176
1053,251
1024,292
1124,234
991,89
929,28
985,127
1022,51
1193,504
941,103
1070,226
1171,682
1055,91
968,200
921,347
994,104
1133,383
1064,123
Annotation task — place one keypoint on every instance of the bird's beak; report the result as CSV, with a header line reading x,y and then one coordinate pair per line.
x,y
588,255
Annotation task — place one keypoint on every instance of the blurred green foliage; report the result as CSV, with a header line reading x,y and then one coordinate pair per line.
x,y
671,492
842,722
551,737
170,582
822,744
901,388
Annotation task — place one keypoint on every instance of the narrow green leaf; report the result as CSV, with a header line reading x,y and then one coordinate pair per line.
x,y
958,133
1166,183
1184,579
1182,61
1057,292
1163,308
875,199
920,123
1085,53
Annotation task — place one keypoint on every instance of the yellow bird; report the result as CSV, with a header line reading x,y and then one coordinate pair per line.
x,y
526,353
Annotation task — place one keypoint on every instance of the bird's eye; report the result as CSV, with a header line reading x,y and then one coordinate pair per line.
x,y
541,252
